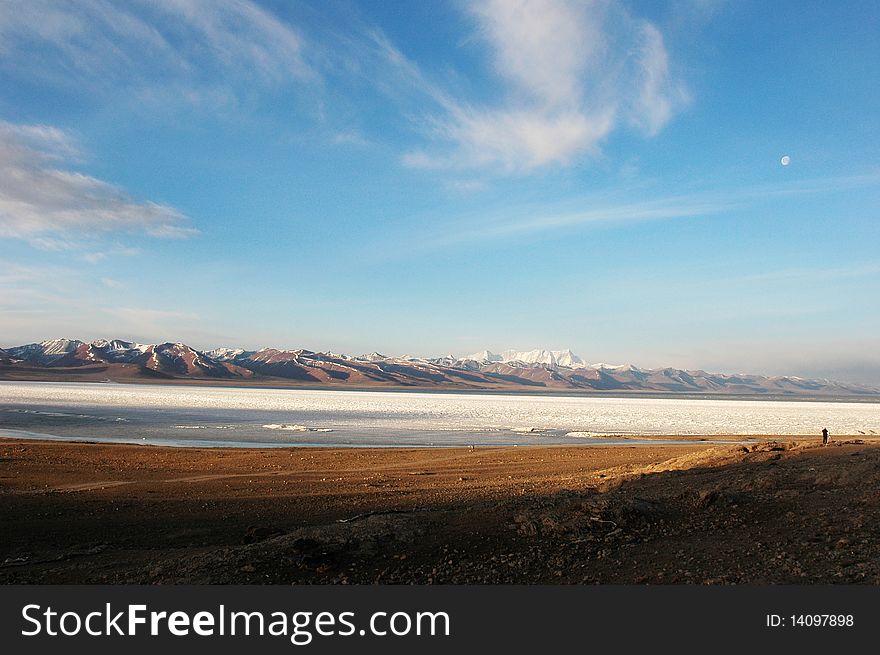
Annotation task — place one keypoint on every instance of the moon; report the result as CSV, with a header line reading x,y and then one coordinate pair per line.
x,y
785,161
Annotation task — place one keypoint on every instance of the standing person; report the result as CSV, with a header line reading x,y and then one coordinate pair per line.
x,y
824,436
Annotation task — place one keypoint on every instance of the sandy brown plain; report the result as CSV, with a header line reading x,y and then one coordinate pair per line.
x,y
774,511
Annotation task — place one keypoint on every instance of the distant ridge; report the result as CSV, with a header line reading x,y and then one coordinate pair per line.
x,y
120,360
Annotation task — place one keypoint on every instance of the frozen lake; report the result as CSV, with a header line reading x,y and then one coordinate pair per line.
x,y
217,416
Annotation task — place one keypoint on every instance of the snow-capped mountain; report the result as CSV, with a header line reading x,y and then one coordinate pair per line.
x,y
227,354
71,359
548,357
47,352
485,356
372,357
164,360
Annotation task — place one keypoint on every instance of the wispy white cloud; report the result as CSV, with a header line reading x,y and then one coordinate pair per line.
x,y
106,42
96,256
46,203
544,48
658,96
46,301
349,138
240,36
517,222
111,283
465,186
568,73
607,210
572,72
814,274
512,140
40,295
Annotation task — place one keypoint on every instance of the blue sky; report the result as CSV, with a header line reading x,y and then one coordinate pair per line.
x,y
431,178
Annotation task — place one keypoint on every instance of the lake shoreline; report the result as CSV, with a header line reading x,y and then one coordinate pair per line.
x,y
595,441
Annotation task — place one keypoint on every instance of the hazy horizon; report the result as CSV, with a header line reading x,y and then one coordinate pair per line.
x,y
691,184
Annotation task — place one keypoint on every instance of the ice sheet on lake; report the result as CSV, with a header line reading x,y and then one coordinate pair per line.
x,y
408,418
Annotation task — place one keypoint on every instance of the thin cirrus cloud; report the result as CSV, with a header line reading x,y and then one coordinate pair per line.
x,y
36,299
598,210
45,202
571,73
511,223
105,42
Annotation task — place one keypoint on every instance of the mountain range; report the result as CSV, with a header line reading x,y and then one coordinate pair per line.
x,y
551,370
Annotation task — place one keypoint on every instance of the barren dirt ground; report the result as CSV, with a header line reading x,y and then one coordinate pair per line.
x,y
772,512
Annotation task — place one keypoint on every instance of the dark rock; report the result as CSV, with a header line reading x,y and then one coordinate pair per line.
x,y
256,534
